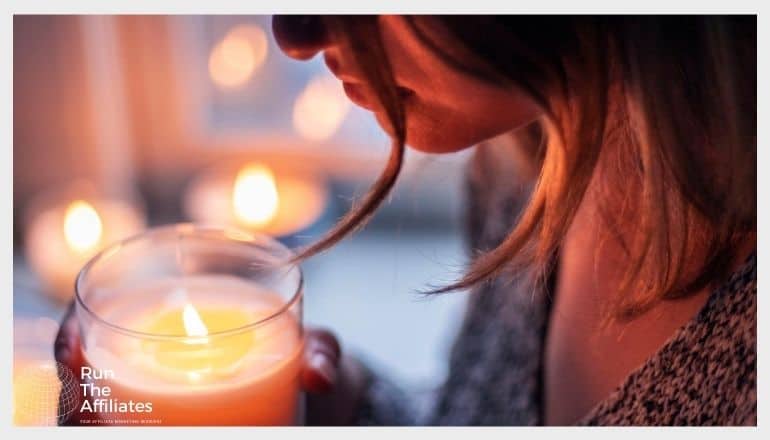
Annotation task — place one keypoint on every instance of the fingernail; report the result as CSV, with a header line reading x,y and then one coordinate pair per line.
x,y
321,363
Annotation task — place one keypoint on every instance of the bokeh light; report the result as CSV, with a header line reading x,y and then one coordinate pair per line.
x,y
235,59
320,109
82,226
255,196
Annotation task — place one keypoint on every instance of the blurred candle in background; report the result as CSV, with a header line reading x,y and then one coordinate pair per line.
x,y
255,198
82,227
66,228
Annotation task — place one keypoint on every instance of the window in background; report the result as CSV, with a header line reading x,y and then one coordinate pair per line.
x,y
241,86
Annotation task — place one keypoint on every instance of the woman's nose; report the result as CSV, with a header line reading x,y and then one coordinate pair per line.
x,y
300,36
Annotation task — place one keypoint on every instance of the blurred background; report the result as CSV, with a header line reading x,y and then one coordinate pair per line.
x,y
127,122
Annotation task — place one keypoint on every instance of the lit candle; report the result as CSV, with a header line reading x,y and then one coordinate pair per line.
x,y
220,344
63,234
246,378
254,198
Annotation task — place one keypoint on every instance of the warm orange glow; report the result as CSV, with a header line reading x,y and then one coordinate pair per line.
x,y
238,56
82,226
255,196
320,108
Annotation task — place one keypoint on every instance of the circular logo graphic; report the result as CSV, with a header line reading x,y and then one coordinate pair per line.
x,y
45,394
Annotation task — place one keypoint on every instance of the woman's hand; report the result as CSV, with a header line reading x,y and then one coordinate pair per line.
x,y
66,349
334,383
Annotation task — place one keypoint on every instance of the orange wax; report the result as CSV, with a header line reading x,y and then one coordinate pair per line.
x,y
214,368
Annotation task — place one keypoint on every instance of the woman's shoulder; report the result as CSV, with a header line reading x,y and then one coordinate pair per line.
x,y
705,374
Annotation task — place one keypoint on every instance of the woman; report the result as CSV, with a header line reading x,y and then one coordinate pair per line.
x,y
612,218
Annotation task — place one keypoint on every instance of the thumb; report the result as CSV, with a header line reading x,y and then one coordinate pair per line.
x,y
322,355
68,355
67,344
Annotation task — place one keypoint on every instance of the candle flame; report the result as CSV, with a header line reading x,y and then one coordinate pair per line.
x,y
255,196
82,226
320,109
193,324
238,56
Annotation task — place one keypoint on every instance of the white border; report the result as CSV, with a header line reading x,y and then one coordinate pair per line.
x,y
384,6
255,6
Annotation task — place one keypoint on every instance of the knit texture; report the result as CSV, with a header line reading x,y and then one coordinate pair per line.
x,y
705,374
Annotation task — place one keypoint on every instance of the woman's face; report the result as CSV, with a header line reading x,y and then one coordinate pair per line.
x,y
446,110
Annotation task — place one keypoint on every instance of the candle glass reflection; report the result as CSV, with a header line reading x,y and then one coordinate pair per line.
x,y
186,325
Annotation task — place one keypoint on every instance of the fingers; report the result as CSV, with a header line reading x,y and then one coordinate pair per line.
x,y
68,355
339,406
67,343
322,357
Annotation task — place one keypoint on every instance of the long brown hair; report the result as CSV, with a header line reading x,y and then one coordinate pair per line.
x,y
662,109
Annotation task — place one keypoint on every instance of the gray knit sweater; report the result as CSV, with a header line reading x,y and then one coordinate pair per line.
x,y
705,374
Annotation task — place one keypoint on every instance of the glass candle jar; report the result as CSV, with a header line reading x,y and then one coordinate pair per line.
x,y
184,325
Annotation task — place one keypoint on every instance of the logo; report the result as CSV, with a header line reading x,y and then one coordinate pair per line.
x,y
45,395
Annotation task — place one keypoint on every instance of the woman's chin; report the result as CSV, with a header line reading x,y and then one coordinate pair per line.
x,y
425,137
435,149
435,141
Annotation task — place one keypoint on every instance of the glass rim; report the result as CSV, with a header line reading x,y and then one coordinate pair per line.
x,y
242,237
